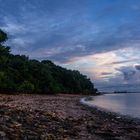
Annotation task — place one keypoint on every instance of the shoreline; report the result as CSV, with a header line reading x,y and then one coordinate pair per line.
x,y
60,117
115,114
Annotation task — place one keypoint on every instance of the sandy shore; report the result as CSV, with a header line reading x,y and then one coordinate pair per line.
x,y
61,117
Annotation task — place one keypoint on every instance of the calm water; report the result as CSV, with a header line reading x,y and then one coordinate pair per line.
x,y
126,104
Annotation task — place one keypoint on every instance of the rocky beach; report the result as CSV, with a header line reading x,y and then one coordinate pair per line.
x,y
60,117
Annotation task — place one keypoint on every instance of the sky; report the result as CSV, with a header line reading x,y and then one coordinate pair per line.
x,y
100,38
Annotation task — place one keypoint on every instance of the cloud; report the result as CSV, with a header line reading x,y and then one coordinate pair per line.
x,y
106,73
68,28
123,62
128,72
137,67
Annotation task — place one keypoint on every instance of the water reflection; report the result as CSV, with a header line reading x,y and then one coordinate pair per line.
x,y
126,104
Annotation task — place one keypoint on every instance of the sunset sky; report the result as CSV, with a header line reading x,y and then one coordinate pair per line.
x,y
100,38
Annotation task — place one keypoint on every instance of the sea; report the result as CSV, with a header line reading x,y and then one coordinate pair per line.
x,y
122,103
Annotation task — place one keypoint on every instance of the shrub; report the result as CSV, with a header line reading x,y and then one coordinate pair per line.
x,y
27,87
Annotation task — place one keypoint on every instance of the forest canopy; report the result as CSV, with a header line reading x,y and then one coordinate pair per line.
x,y
20,74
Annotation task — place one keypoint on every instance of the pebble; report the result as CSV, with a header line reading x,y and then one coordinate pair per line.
x,y
118,117
2,134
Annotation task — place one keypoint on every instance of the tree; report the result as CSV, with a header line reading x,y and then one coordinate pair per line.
x,y
26,86
3,36
19,73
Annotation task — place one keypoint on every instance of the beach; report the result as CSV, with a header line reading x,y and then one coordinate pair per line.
x,y
60,117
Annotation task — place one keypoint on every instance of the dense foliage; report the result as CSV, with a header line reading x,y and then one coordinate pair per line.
x,y
20,74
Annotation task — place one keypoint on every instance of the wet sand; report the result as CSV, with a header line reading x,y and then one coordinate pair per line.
x,y
60,117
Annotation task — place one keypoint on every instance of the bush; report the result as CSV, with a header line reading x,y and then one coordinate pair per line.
x,y
27,87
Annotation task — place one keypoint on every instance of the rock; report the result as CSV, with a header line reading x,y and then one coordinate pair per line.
x,y
118,117
30,137
2,134
104,133
50,137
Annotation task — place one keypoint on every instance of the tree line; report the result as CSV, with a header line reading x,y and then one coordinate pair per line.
x,y
20,74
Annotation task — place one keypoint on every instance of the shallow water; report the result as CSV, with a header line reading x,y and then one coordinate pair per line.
x,y
125,104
